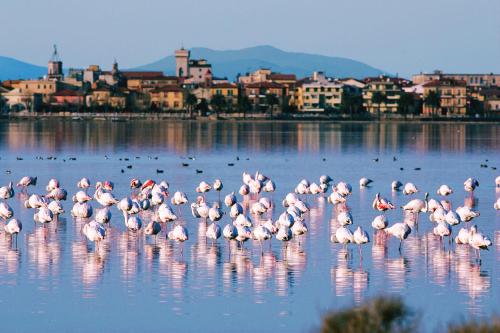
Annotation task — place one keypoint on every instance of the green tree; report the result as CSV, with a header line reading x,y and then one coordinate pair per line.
x,y
433,100
378,98
191,102
350,102
202,106
244,104
271,101
406,101
218,102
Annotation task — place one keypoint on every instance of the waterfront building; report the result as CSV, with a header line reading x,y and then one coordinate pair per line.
x,y
473,81
43,87
69,99
18,99
320,94
167,98
149,80
228,90
388,88
104,97
192,71
452,97
257,93
490,97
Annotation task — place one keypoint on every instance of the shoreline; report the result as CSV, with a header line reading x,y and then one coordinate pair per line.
x,y
130,116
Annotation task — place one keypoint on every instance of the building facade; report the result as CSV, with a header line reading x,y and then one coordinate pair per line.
x,y
471,80
452,97
388,88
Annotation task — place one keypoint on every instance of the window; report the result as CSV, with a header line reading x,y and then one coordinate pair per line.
x,y
230,92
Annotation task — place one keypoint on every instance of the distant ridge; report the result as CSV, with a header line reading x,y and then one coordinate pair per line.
x,y
12,69
228,63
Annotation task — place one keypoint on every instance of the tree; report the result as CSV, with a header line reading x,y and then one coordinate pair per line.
x,y
433,100
218,102
405,102
244,104
378,98
271,101
350,102
202,106
191,102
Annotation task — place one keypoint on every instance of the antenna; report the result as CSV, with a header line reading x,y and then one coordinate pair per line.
x,y
55,55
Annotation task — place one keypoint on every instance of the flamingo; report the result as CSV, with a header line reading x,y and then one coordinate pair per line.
x,y
396,185
27,181
13,228
462,237
258,208
135,183
6,211
52,185
166,214
106,199
336,198
400,230
6,192
265,202
466,213
81,197
344,189
298,229
364,182
442,229
381,204
496,205
290,199
285,220
261,234
410,188
230,199
470,185
179,234
244,190
153,228
81,210
242,221
235,210
284,234
94,231
43,215
230,232
416,206
325,179
269,186
179,199
203,188
478,241
218,186
433,205
344,218
58,194
103,215
133,223
83,183
56,208
243,233
360,237
213,232
268,224
497,181
343,236
35,201
215,213
200,209
444,190
379,222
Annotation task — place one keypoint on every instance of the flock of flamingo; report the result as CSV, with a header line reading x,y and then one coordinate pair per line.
x,y
250,218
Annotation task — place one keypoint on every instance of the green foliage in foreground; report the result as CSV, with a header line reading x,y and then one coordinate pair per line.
x,y
391,315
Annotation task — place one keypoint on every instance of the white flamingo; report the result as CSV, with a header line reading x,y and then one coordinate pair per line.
x,y
153,228
360,237
396,185
13,228
27,181
213,232
466,213
7,192
94,231
410,188
6,211
470,185
261,234
133,223
364,182
478,241
444,190
400,230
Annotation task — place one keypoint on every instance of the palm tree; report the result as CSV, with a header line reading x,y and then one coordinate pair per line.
x,y
271,101
218,102
405,102
433,99
191,102
244,104
378,98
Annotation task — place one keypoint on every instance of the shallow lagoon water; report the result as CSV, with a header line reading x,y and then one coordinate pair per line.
x,y
55,281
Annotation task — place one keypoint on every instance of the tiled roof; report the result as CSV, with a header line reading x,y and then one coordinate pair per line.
x,y
143,75
282,77
224,85
68,92
267,85
445,83
167,89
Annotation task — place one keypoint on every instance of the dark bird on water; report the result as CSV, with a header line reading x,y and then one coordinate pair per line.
x,y
199,171
185,164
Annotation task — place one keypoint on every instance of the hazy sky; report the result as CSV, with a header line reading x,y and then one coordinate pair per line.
x,y
398,36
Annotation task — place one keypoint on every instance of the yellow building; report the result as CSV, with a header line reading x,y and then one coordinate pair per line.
x,y
148,80
389,88
167,98
452,96
42,87
228,90
104,97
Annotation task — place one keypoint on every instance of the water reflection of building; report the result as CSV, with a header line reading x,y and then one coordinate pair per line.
x,y
184,137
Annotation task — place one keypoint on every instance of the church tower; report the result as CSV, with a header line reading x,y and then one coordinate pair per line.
x,y
55,68
182,63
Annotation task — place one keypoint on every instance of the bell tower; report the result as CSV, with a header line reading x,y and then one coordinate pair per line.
x,y
182,62
55,67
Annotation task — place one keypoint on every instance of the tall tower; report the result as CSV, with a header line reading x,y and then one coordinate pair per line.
x,y
182,62
55,68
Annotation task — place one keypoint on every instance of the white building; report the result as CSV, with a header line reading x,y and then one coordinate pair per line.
x,y
321,94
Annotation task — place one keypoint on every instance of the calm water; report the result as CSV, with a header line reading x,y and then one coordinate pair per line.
x,y
55,281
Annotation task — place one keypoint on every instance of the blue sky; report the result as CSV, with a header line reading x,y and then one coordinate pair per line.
x,y
399,36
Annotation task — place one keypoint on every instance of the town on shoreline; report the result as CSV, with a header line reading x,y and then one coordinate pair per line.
x,y
195,93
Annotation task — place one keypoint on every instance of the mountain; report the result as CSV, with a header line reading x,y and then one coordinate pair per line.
x,y
229,63
11,69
